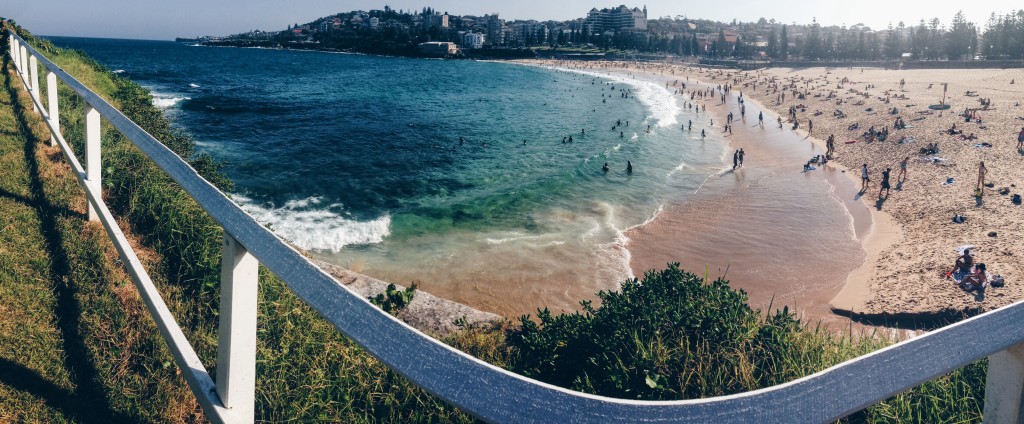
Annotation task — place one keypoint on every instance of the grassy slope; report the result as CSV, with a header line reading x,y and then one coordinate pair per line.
x,y
77,344
307,371
70,338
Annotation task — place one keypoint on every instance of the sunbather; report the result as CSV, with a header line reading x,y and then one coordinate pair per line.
x,y
963,264
976,281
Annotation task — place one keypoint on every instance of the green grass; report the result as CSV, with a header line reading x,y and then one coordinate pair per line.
x,y
76,343
306,371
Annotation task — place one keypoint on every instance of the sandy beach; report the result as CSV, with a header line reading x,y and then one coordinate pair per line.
x,y
904,273
909,240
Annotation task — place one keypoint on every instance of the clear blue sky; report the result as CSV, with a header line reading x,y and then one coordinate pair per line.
x,y
166,19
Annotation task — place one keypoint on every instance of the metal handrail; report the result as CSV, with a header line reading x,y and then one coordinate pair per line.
x,y
497,395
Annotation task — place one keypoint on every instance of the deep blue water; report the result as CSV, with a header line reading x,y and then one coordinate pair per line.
x,y
358,158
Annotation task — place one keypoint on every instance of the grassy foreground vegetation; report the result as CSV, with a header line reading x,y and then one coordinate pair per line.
x,y
76,343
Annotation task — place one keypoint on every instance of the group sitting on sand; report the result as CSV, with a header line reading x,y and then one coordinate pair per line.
x,y
972,276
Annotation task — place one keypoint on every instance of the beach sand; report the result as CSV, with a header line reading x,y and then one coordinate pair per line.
x,y
764,226
911,240
909,263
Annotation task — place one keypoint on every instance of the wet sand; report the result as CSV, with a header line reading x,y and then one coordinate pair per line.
x,y
911,241
906,277
786,237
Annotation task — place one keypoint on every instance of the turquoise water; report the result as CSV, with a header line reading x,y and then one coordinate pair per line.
x,y
358,160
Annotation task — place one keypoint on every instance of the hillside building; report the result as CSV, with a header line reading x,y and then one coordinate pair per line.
x,y
473,40
616,19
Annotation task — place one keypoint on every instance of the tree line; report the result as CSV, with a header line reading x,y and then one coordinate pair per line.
x,y
1001,38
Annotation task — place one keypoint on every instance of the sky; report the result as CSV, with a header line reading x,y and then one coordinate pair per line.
x,y
167,19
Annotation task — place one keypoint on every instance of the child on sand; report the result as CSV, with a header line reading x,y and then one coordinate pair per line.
x,y
885,183
981,174
864,178
903,169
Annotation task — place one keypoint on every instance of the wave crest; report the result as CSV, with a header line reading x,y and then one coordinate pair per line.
x,y
310,225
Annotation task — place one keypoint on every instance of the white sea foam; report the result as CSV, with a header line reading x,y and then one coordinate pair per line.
x,y
192,85
118,71
520,237
851,228
658,99
167,101
311,225
676,170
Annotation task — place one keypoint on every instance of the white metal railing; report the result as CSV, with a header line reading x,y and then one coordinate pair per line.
x,y
486,391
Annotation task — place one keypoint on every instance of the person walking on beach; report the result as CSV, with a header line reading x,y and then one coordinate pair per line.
x,y
810,126
735,159
780,122
760,121
864,178
741,157
830,145
1020,139
903,169
981,174
885,183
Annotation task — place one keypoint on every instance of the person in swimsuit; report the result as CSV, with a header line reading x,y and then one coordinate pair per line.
x,y
864,178
885,183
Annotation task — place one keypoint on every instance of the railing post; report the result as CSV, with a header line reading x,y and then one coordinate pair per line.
x,y
22,52
92,157
51,104
14,50
16,53
236,341
22,63
1004,386
33,71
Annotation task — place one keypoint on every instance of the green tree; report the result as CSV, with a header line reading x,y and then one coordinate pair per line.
x,y
784,44
961,38
812,46
894,41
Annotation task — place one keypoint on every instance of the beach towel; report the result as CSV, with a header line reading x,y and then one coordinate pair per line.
x,y
936,160
960,249
958,275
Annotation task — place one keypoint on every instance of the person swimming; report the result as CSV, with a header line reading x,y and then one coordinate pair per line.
x,y
605,168
629,167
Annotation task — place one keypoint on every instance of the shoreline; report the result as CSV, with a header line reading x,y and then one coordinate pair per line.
x,y
805,302
883,231
913,241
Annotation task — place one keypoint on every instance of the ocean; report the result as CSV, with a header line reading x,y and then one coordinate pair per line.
x,y
458,175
